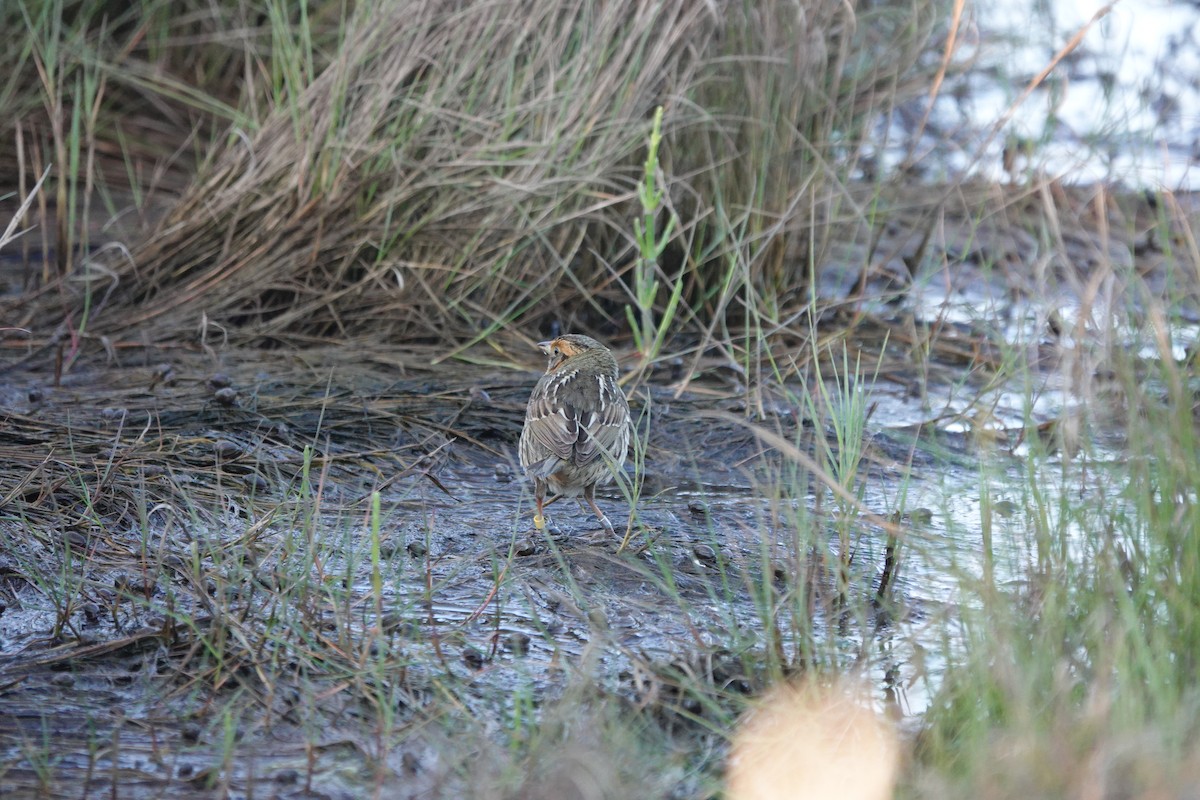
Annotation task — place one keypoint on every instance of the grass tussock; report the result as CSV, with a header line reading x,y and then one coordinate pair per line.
x,y
457,167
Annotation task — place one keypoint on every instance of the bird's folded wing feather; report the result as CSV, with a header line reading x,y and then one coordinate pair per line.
x,y
604,432
551,430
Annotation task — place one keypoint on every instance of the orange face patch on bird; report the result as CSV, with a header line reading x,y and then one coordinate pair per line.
x,y
577,424
562,348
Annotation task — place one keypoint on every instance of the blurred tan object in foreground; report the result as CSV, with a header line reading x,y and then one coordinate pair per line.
x,y
807,741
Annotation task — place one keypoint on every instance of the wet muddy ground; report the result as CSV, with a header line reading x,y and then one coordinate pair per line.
x,y
173,501
198,592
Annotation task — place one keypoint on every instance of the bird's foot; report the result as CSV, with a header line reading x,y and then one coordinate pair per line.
x,y
596,537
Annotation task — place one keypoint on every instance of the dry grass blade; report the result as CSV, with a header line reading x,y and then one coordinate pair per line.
x,y
10,231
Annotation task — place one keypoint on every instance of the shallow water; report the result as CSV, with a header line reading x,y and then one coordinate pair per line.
x,y
1120,109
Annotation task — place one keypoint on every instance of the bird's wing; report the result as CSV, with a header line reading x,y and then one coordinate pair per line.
x,y
605,431
551,429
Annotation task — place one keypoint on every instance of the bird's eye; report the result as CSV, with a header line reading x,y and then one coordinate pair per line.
x,y
557,352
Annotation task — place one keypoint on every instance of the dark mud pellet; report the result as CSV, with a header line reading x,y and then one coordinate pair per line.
x,y
174,562
226,396
287,777
226,449
410,763
389,547
257,483
91,612
219,380
75,540
36,395
780,573
417,549
63,679
290,697
185,771
517,643
705,553
122,581
205,777
698,508
190,733
504,473
473,658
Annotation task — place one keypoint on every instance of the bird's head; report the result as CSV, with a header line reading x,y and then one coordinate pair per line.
x,y
568,346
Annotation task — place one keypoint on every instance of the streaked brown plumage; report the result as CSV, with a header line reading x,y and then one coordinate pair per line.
x,y
577,425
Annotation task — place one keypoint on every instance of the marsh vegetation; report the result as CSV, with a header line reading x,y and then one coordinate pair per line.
x,y
268,301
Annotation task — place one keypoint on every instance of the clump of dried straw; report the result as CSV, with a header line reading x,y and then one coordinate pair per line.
x,y
457,166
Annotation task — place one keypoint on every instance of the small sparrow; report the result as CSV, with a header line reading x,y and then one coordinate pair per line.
x,y
577,425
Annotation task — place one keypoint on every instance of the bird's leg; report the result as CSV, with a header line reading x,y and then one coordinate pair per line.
x,y
539,496
589,494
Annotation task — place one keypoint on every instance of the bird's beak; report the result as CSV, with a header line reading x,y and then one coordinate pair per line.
x,y
544,347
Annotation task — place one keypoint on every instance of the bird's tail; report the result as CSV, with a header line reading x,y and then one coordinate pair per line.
x,y
543,469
